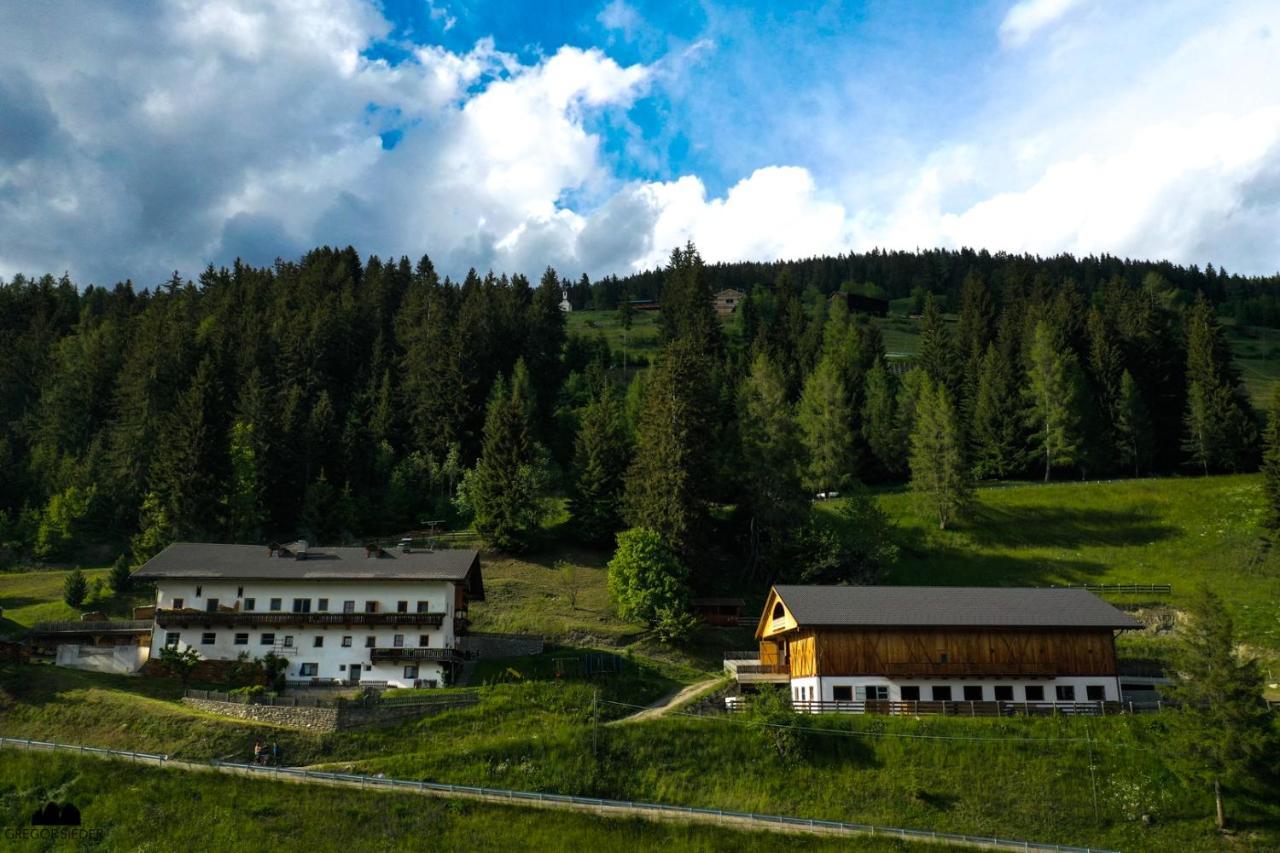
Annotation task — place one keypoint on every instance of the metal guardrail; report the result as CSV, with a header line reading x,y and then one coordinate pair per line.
x,y
600,804
1155,588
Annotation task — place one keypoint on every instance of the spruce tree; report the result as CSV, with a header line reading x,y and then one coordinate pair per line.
x,y
75,589
1053,400
600,460
994,437
1222,735
687,312
937,352
188,458
773,497
826,421
668,480
506,487
1271,465
940,474
880,419
1220,434
243,501
1132,426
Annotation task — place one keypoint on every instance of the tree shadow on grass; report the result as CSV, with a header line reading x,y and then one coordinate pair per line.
x,y
1063,527
927,562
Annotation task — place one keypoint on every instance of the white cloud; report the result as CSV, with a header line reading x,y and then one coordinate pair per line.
x,y
620,15
1028,17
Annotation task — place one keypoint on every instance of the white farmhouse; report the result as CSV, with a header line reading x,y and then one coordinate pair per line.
x,y
338,615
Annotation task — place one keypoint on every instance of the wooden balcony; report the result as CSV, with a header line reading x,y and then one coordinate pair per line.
x,y
180,618
417,654
958,668
749,670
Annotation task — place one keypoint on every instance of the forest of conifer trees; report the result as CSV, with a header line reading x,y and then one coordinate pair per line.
x,y
335,398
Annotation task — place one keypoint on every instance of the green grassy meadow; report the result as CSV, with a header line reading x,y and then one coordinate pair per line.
x,y
30,597
145,808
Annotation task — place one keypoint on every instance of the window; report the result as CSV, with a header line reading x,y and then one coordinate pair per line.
x,y
872,692
1004,693
346,642
370,641
402,607
371,607
424,606
242,639
322,605
302,605
211,605
308,670
288,641
973,692
842,694
171,639
199,590
910,693
318,643
398,641
1066,693
942,694
178,603
367,667
239,592
943,657
1034,693
275,604
778,611
207,638
249,604
1095,692
411,672
267,640
424,640
348,607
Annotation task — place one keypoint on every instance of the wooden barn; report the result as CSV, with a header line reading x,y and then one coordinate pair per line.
x,y
850,644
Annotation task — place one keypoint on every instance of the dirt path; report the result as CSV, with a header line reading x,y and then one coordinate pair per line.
x,y
671,701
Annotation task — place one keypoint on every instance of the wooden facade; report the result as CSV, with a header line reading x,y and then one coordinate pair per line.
x,y
929,652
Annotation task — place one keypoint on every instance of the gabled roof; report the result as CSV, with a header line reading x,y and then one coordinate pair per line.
x,y
214,561
948,606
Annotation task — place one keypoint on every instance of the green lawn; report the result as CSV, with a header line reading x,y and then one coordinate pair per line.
x,y
145,808
30,597
641,339
1180,531
1257,355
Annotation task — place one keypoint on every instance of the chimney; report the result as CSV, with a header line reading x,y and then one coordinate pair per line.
x,y
301,548
406,545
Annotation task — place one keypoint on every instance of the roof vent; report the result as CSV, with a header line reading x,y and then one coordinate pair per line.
x,y
300,547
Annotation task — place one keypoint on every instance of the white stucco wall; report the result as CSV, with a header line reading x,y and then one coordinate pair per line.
x,y
123,660
816,688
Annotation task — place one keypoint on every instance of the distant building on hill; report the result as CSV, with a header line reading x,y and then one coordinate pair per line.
x,y
917,649
726,301
337,615
644,304
859,304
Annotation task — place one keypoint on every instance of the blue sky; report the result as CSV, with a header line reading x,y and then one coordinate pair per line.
x,y
593,136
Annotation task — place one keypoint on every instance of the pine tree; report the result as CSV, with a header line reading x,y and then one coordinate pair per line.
x,y
772,454
687,312
1052,394
1219,423
121,578
826,421
1271,465
940,474
506,487
545,346
937,353
1222,735
974,332
75,589
668,481
1132,426
995,439
880,419
243,501
600,461
187,466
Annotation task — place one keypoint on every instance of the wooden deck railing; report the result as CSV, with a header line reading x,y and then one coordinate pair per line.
x,y
231,617
123,626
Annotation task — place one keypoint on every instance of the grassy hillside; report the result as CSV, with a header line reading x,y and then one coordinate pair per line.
x,y
30,597
1180,531
642,339
1257,355
1013,777
144,808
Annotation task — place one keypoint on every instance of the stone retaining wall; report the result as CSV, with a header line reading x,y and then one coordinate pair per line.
x,y
319,719
501,645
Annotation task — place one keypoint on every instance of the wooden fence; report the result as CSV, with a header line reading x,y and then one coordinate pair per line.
x,y
953,709
1149,588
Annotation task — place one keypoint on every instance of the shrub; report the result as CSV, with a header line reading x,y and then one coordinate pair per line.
x,y
120,577
74,589
646,579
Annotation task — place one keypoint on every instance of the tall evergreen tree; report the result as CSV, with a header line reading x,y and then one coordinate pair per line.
x,y
506,487
1219,424
937,352
880,427
1053,400
189,458
687,312
243,502
1222,735
1132,426
668,480
1271,465
994,436
772,455
940,474
826,421
600,461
